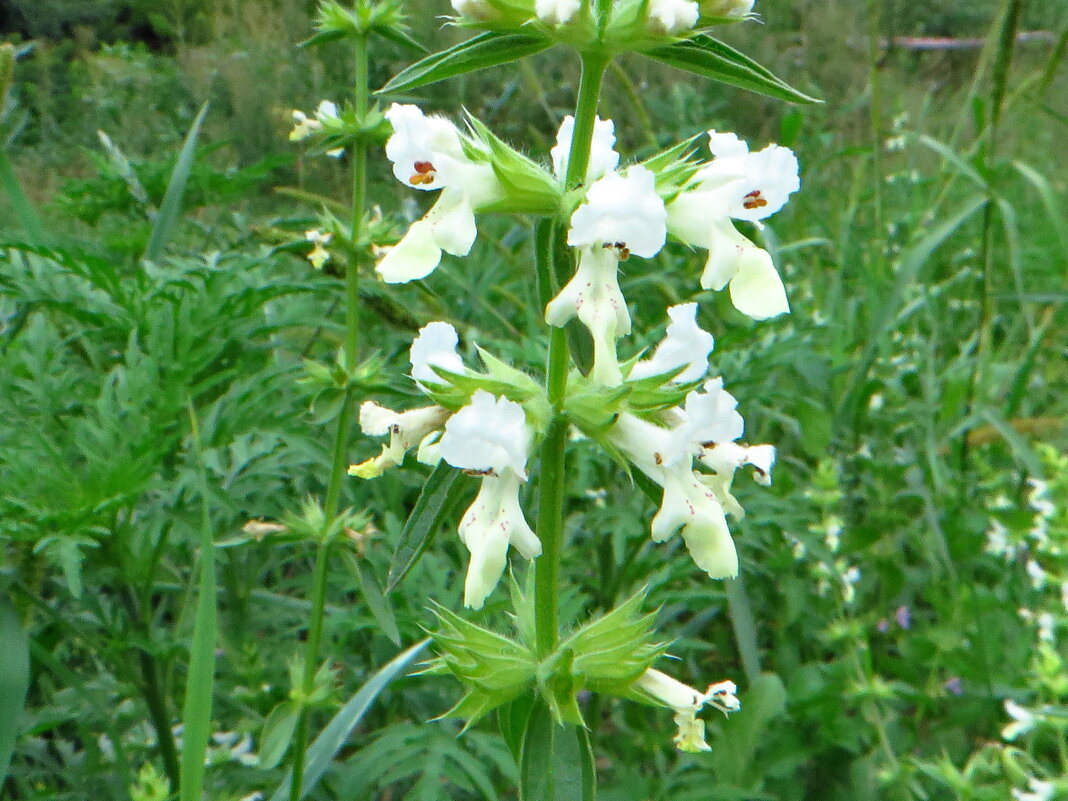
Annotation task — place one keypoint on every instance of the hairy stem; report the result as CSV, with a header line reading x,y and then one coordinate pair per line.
x,y
553,467
344,425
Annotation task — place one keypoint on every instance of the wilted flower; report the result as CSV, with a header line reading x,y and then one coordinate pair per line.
x,y
405,429
603,157
737,185
491,437
434,347
428,154
687,702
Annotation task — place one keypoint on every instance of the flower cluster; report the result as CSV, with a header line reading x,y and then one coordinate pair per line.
x,y
662,412
482,434
656,18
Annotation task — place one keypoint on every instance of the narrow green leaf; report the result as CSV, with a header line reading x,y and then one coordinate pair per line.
x,y
14,681
376,602
436,502
485,50
1019,446
512,719
196,710
20,204
711,58
556,763
277,733
1049,200
744,625
167,216
333,737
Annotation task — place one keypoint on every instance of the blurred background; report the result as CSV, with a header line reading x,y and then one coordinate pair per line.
x,y
904,580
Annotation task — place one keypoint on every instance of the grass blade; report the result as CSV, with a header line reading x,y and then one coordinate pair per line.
x,y
14,681
169,209
20,204
196,711
376,601
333,737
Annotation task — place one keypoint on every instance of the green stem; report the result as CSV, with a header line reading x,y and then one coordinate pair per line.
x,y
344,425
553,467
161,719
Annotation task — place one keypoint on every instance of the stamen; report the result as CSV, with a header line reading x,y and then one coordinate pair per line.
x,y
424,174
754,200
621,248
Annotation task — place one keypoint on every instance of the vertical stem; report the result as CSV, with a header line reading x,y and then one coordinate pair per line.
x,y
551,478
161,719
344,422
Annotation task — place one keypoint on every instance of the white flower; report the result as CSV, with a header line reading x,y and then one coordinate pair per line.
x,y
434,347
711,416
684,344
688,505
1047,627
1040,790
593,295
318,256
491,436
672,16
305,126
850,578
1023,721
733,9
427,154
603,157
687,702
624,211
556,12
405,430
739,185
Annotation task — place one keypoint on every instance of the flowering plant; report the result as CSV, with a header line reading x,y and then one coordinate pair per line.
x,y
671,424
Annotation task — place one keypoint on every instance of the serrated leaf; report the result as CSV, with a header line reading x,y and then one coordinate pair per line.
x,y
711,58
486,50
437,500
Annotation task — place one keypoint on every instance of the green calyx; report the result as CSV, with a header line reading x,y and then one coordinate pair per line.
x,y
528,188
386,18
606,655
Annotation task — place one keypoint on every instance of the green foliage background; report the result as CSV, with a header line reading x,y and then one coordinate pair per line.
x,y
916,395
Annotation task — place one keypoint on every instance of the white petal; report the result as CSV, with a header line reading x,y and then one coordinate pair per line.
x,y
435,346
622,209
556,12
494,520
756,289
684,343
488,435
593,295
603,157
672,16
414,257
727,145
712,415
453,222
425,151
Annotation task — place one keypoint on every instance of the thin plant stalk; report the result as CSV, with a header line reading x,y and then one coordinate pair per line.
x,y
344,426
551,480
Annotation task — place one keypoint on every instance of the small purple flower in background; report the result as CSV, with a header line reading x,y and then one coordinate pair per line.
x,y
883,626
954,686
903,617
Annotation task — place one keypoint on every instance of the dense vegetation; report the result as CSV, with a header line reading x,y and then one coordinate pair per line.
x,y
897,630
